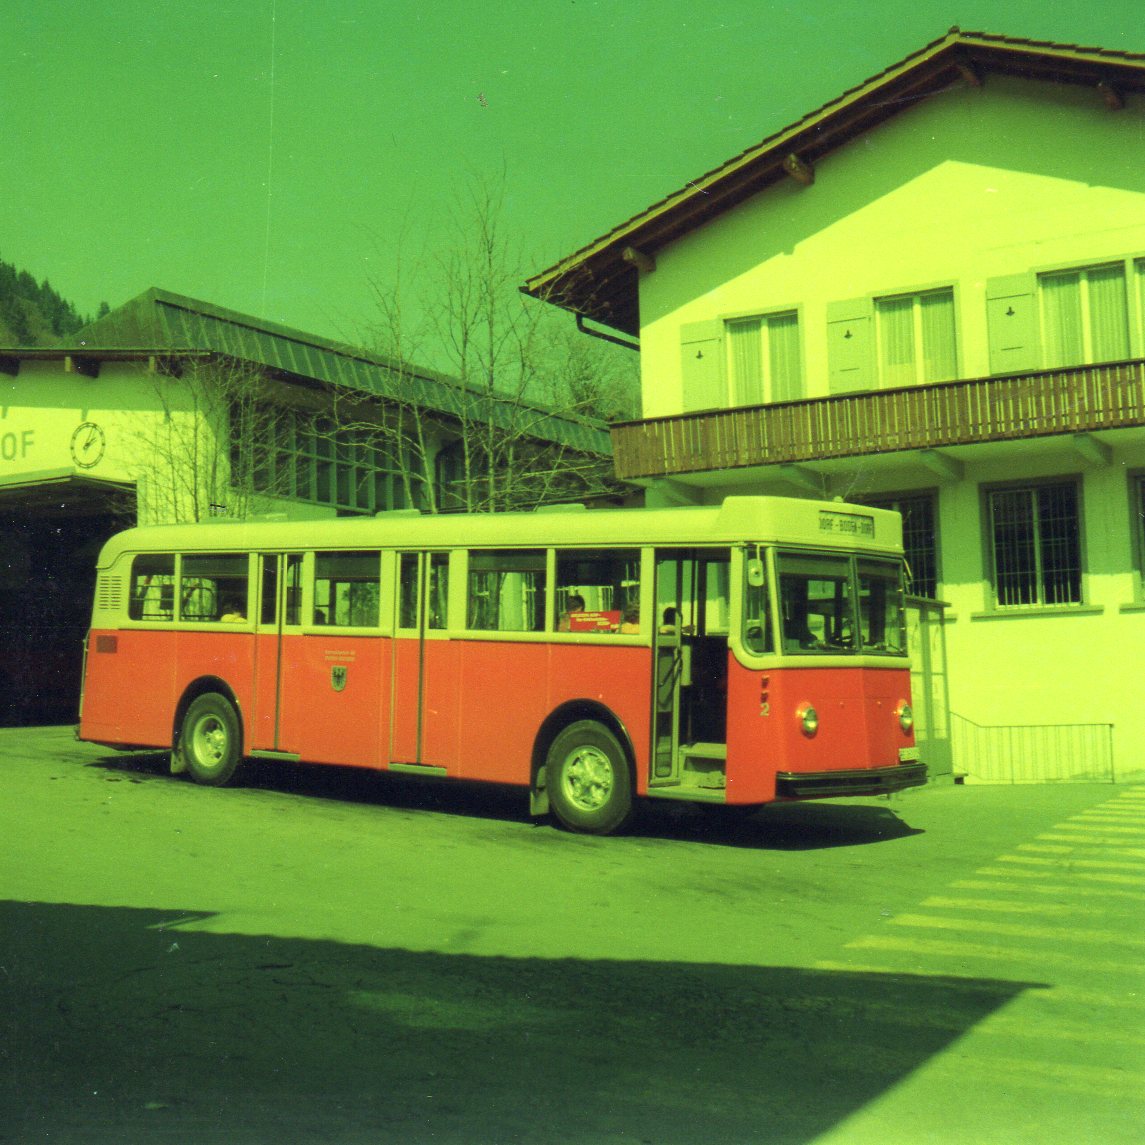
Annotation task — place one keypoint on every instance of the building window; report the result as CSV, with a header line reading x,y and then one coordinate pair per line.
x,y
765,362
919,539
1084,315
916,338
282,452
1036,539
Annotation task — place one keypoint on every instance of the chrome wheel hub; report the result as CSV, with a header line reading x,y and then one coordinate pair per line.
x,y
587,778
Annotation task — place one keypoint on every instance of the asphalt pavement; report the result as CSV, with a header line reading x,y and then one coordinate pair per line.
x,y
325,955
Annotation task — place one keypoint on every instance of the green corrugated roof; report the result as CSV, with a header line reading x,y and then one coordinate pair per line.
x,y
158,320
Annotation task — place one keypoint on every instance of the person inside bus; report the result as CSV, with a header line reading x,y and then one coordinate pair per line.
x,y
573,606
630,620
233,611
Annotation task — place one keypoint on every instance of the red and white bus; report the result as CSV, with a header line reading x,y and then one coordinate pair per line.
x,y
738,654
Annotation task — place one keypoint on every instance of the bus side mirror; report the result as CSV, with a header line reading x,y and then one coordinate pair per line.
x,y
755,573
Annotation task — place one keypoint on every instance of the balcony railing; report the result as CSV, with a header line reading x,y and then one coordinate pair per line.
x,y
1076,400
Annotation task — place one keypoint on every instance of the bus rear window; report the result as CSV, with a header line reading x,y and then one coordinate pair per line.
x,y
346,589
152,587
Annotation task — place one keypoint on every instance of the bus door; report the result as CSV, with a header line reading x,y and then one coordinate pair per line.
x,y
424,701
279,618
691,654
334,664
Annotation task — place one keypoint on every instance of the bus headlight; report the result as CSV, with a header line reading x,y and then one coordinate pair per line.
x,y
808,719
905,715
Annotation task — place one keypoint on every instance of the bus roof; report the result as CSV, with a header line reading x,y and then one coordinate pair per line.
x,y
738,519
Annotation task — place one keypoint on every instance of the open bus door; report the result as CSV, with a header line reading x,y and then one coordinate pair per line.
x,y
689,729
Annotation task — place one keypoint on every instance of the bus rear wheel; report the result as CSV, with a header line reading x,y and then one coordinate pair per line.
x,y
588,781
209,740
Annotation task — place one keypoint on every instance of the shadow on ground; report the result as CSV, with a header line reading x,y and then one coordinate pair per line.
x,y
123,1024
806,826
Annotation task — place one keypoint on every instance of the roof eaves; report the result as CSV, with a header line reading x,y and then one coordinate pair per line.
x,y
588,280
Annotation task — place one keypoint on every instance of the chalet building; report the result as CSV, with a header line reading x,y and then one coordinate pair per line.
x,y
928,294
169,409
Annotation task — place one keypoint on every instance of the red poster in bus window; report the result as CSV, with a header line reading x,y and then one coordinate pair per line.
x,y
605,621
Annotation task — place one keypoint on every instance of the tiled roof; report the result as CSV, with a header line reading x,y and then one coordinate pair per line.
x,y
162,322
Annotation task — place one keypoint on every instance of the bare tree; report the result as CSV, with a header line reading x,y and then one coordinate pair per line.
x,y
205,446
513,421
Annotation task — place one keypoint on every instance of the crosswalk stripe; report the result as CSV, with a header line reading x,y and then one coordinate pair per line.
x,y
1001,884
1043,873
1120,846
930,948
1103,828
1014,930
1063,861
1013,906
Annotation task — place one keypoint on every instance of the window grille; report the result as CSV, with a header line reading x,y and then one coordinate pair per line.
x,y
919,540
1036,545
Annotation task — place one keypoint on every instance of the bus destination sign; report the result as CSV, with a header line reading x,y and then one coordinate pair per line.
x,y
846,524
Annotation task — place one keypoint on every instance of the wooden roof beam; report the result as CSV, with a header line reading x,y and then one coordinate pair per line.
x,y
87,367
800,171
1112,95
643,262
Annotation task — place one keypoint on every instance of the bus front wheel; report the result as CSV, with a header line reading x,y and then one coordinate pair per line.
x,y
588,781
209,740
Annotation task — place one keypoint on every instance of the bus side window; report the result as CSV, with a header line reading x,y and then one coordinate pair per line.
x,y
598,590
347,589
438,598
152,595
214,587
410,566
507,590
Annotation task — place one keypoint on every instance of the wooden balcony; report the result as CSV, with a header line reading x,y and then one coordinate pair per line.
x,y
1078,400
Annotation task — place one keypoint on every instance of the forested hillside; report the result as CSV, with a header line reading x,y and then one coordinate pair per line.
x,y
32,313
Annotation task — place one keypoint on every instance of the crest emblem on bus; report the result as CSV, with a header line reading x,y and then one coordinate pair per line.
x,y
338,677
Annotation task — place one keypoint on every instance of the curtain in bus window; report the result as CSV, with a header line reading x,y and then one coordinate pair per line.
x,y
784,360
438,598
507,591
746,360
346,589
407,590
152,595
938,341
214,587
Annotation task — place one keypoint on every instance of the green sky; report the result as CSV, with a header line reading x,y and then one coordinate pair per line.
x,y
273,155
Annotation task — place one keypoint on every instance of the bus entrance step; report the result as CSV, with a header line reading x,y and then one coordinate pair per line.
x,y
705,765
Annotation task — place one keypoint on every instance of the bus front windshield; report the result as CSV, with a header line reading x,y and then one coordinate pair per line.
x,y
831,604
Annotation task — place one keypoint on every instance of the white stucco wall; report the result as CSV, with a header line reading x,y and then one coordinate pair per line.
x,y
1014,178
972,184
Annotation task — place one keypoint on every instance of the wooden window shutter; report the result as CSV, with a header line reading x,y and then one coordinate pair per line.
x,y
1012,323
850,346
702,365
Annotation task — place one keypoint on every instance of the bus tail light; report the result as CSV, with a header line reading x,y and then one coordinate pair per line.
x,y
905,716
808,719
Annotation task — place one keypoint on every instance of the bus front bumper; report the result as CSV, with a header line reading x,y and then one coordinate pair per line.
x,y
866,781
